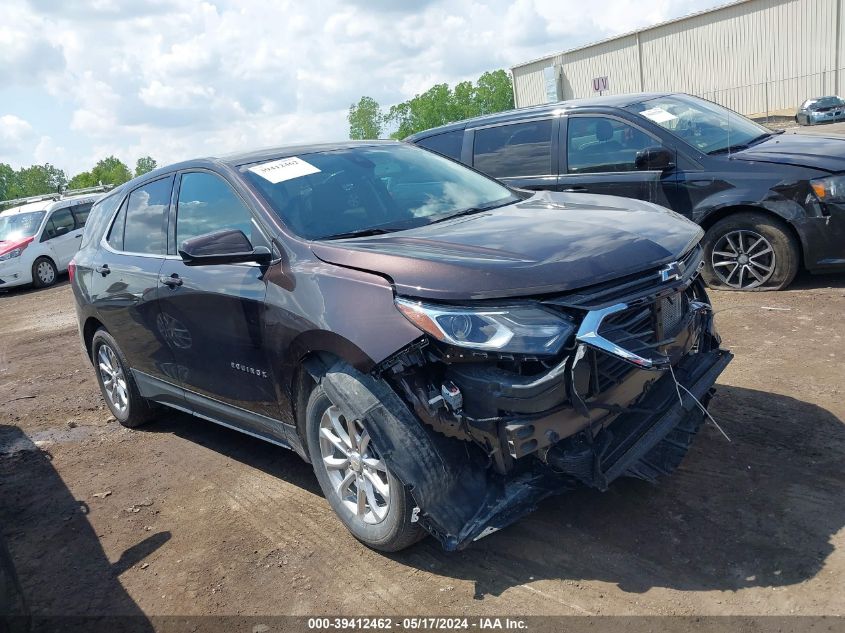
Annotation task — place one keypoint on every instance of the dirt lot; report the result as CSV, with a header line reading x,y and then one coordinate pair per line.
x,y
184,517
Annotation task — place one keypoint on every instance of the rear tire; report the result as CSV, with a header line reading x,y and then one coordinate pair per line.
x,y
117,383
370,501
44,272
749,250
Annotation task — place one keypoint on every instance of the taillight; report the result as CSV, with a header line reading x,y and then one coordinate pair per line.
x,y
71,270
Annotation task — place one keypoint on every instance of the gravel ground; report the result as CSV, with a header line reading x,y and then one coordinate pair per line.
x,y
184,517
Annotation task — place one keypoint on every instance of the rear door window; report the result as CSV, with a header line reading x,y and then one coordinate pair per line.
x,y
146,210
602,144
448,144
516,149
60,223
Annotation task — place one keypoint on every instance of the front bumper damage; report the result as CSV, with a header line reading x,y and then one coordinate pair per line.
x,y
479,440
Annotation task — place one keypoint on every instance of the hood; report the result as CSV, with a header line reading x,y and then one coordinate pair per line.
x,y
552,242
802,150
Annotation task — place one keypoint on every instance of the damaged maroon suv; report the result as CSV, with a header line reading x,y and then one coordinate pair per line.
x,y
445,351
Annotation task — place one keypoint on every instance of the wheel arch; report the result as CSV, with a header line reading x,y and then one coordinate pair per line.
x,y
91,325
721,213
307,373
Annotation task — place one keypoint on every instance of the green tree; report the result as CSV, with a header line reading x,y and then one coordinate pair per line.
x,y
494,92
109,171
80,181
7,181
365,119
30,181
440,104
144,165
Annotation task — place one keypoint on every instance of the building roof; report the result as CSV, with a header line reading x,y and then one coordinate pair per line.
x,y
629,33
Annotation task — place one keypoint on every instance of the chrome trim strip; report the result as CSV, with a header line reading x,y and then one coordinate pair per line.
x,y
588,334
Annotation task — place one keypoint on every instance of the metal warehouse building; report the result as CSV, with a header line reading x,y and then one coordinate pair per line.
x,y
754,56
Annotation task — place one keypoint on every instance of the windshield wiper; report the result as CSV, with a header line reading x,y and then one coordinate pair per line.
x,y
742,146
471,211
358,233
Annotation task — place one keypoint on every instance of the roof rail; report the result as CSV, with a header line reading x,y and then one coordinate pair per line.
x,y
62,193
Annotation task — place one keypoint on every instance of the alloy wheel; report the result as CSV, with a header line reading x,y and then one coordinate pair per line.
x,y
46,273
114,380
356,471
743,259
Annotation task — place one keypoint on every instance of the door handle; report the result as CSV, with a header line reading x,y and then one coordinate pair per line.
x,y
173,281
103,270
577,189
78,236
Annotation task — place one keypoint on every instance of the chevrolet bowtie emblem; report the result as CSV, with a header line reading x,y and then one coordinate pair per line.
x,y
672,271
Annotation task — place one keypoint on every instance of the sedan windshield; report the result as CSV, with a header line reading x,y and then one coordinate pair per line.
x,y
706,126
19,225
824,102
371,189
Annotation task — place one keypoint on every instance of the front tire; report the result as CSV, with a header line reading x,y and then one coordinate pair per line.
x,y
370,501
117,383
750,251
44,272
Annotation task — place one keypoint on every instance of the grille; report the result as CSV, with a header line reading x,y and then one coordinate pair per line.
x,y
644,330
672,310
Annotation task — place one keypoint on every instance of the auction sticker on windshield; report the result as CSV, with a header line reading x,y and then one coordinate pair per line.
x,y
658,115
277,171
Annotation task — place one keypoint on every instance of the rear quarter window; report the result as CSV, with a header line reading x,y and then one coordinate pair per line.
x,y
98,219
448,144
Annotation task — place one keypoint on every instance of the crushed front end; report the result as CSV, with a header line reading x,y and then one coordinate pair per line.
x,y
622,394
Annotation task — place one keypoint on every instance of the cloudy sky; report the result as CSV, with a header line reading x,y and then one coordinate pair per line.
x,y
83,79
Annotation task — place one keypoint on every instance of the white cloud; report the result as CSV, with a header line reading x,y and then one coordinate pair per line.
x,y
182,78
14,131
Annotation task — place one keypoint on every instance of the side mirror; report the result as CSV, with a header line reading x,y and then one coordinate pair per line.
x,y
654,159
229,246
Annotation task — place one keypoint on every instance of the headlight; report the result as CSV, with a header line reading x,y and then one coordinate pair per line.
x,y
830,189
516,330
15,252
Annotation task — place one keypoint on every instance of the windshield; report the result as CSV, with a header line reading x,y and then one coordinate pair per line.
x,y
824,102
19,225
706,126
371,189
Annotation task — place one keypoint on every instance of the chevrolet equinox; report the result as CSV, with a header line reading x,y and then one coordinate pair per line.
x,y
444,350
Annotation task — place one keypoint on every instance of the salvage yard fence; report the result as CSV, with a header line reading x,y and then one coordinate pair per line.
x,y
776,97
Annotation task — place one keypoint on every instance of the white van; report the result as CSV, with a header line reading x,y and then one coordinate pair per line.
x,y
40,235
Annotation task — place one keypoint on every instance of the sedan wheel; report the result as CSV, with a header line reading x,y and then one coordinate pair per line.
x,y
750,250
743,259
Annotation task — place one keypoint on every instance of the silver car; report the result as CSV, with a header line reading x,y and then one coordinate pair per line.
x,y
821,110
